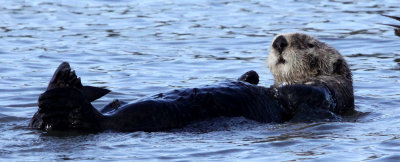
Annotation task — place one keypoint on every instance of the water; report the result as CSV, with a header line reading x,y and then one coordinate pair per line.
x,y
139,48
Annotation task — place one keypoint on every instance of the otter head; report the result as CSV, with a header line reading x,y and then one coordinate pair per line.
x,y
298,58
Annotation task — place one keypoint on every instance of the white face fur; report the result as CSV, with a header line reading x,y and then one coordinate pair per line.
x,y
302,58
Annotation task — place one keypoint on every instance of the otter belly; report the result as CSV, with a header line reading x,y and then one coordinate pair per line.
x,y
66,104
68,108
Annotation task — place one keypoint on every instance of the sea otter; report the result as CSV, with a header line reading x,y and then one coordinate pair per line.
x,y
312,82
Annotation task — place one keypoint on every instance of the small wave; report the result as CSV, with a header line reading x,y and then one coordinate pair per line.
x,y
6,118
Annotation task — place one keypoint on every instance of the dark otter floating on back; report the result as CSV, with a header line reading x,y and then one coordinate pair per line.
x,y
312,82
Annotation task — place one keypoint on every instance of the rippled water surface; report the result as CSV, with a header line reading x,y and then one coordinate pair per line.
x,y
138,48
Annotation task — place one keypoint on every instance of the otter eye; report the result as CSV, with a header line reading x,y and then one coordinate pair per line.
x,y
310,45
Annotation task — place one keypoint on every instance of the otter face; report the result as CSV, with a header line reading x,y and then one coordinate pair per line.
x,y
296,57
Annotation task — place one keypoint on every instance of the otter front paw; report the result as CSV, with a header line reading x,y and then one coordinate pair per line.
x,y
250,77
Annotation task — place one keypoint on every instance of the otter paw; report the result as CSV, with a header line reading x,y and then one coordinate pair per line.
x,y
250,77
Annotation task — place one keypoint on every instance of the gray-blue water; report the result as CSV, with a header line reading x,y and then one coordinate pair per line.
x,y
139,48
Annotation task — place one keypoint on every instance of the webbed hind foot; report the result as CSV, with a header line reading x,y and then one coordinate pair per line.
x,y
64,77
66,103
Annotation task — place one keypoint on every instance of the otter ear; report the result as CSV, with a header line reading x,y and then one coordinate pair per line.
x,y
94,93
338,67
313,62
314,66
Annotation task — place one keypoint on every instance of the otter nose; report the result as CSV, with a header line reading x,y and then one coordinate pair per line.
x,y
280,43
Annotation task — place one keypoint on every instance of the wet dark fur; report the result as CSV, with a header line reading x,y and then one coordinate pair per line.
x,y
66,105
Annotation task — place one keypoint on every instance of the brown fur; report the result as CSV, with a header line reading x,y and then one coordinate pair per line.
x,y
308,61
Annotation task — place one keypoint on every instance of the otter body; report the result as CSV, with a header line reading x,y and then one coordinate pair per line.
x,y
320,89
